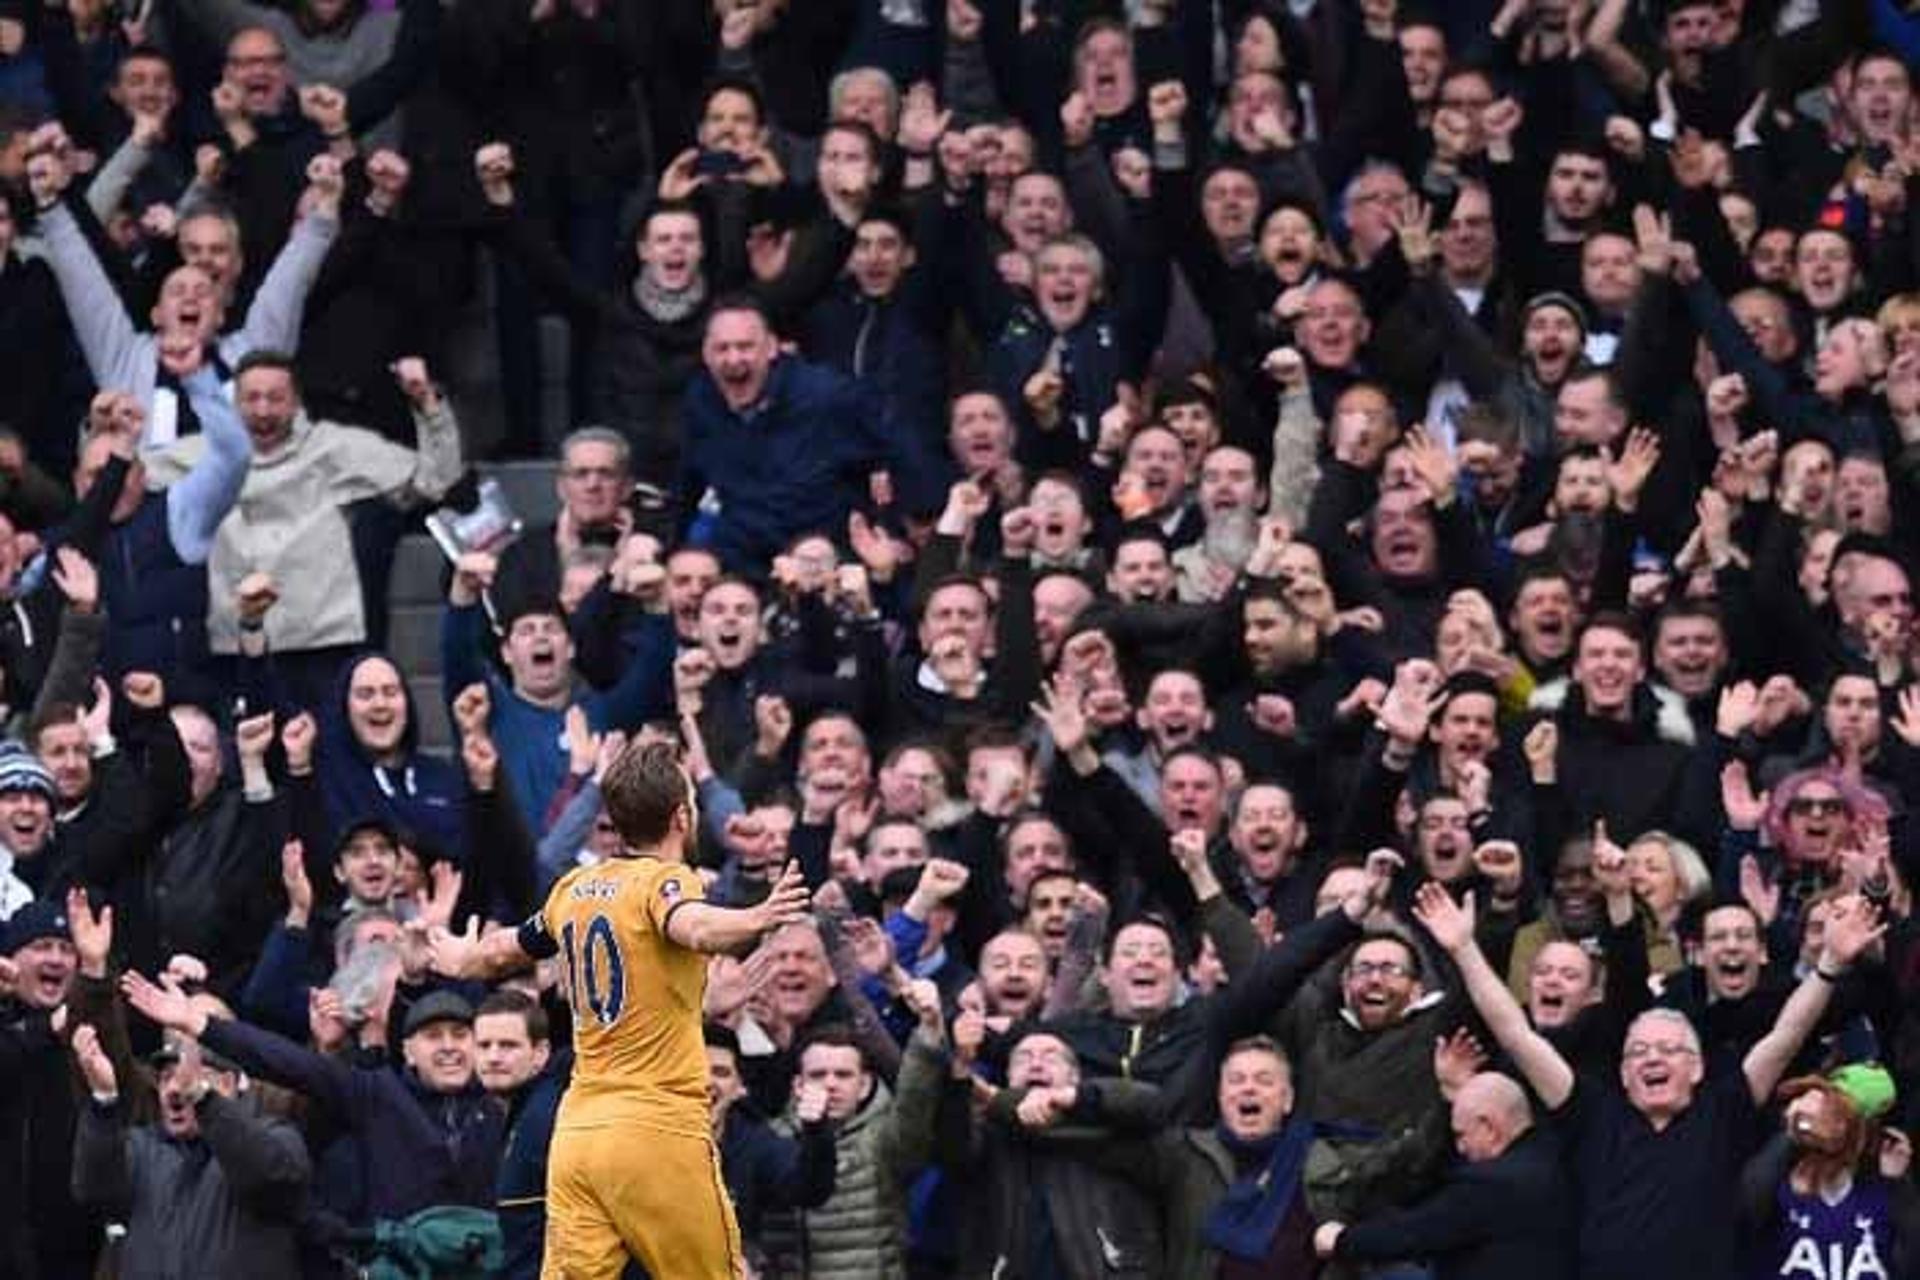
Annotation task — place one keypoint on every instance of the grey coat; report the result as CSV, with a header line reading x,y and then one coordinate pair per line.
x,y
221,1207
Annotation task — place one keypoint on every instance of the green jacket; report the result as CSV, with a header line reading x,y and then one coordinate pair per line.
x,y
860,1234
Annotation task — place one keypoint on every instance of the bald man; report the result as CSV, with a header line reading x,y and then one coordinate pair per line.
x,y
1504,1213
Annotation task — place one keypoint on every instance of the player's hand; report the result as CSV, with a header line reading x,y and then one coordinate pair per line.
x,y
788,901
454,955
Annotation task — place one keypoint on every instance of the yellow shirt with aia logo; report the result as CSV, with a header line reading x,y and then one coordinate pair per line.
x,y
638,1053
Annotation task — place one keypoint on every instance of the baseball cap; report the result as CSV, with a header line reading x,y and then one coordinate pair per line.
x,y
438,1006
379,825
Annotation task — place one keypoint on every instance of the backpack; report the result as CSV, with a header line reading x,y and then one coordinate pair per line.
x,y
447,1242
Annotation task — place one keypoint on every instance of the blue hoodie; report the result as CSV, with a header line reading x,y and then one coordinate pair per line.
x,y
422,795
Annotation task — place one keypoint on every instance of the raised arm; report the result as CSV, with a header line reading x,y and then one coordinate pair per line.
x,y
100,321
201,500
327,1081
1452,927
701,926
274,317
1852,926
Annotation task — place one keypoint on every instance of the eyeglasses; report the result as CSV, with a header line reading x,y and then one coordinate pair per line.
x,y
593,473
1364,969
1638,1049
1814,806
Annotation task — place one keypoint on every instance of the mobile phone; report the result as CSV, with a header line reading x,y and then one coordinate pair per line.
x,y
713,163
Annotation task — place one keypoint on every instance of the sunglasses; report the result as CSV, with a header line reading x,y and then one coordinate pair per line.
x,y
1815,806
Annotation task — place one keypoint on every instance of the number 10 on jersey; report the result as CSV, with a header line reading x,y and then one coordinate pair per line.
x,y
596,972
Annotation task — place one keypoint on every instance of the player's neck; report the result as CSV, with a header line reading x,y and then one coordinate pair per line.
x,y
663,852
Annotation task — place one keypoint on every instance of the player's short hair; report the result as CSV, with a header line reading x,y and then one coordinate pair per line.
x,y
522,1006
643,790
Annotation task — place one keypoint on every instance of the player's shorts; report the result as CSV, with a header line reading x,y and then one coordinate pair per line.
x,y
626,1192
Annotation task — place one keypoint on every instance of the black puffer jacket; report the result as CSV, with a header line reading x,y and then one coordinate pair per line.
x,y
44,1234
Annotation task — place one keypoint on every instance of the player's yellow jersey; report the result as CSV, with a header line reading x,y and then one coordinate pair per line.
x,y
639,1056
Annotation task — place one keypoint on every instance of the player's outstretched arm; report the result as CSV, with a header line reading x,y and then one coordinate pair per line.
x,y
700,926
468,955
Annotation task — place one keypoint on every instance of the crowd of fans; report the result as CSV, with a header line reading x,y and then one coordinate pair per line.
x,y
1323,593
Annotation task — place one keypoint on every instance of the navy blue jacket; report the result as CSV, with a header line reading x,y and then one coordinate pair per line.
x,y
417,1148
794,463
1509,1218
765,1171
1092,365
522,1185
895,346
156,602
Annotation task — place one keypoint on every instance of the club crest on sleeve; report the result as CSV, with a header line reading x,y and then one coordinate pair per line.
x,y
670,889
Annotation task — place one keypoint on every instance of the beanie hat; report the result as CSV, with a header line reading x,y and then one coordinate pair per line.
x,y
1564,301
1867,1085
41,918
20,770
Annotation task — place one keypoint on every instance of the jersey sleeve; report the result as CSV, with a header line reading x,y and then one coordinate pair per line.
x,y
672,886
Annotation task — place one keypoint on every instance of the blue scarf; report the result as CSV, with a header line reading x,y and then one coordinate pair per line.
x,y
1247,1218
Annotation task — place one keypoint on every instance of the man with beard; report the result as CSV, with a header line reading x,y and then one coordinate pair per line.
x,y
213,1188
1656,1160
1013,968
1229,504
292,521
1054,902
